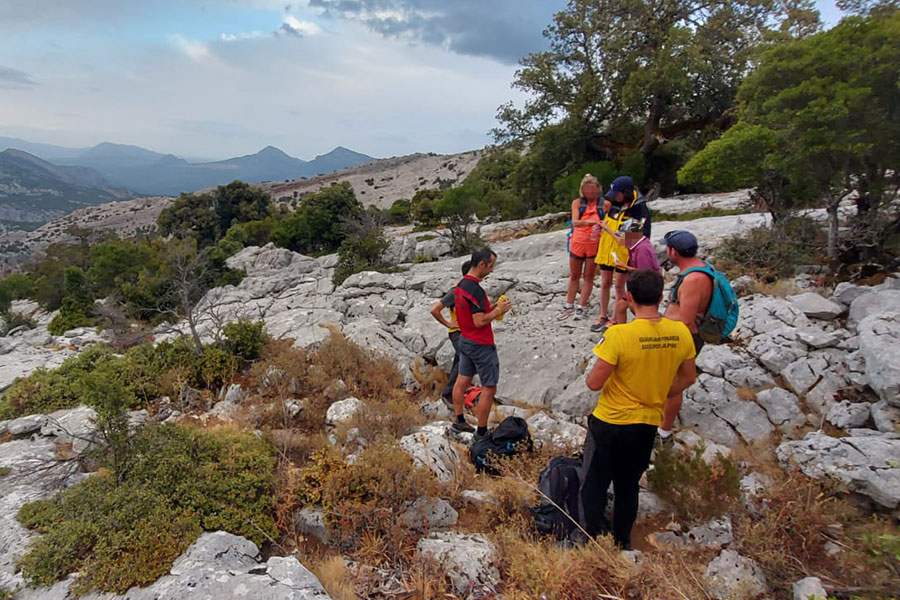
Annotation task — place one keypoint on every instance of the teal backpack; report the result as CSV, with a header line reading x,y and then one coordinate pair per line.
x,y
722,315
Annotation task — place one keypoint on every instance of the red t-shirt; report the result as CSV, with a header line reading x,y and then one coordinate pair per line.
x,y
471,299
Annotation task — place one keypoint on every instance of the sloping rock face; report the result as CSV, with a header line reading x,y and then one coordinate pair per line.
x,y
36,470
222,565
795,360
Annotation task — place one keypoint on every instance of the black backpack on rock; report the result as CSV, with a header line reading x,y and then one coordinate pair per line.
x,y
507,439
559,483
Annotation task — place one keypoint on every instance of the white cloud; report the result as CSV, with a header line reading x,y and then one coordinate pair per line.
x,y
225,97
299,27
251,35
196,51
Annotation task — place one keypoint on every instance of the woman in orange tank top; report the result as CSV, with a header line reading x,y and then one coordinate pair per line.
x,y
586,216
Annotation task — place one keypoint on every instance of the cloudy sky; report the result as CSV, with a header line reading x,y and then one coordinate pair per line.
x,y
213,79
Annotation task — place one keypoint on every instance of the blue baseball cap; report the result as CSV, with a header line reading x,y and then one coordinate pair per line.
x,y
622,184
684,242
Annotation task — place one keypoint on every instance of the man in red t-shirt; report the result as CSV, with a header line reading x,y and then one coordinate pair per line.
x,y
477,352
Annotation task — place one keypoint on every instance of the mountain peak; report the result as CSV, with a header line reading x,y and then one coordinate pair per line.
x,y
272,151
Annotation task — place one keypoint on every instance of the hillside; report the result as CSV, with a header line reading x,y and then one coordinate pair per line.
x,y
381,182
34,191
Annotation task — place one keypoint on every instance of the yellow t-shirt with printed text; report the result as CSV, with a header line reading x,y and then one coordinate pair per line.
x,y
646,355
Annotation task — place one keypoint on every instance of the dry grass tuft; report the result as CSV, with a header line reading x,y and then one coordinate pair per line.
x,y
335,577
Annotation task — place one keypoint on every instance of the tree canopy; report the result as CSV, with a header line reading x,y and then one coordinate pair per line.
x,y
641,72
819,115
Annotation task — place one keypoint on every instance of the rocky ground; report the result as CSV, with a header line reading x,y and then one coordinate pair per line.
x,y
815,374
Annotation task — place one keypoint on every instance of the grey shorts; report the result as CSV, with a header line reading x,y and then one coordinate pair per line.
x,y
481,359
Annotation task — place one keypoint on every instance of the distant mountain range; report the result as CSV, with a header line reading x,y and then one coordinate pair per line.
x,y
152,173
34,191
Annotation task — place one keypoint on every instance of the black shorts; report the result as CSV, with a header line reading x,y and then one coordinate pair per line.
x,y
611,268
479,358
698,342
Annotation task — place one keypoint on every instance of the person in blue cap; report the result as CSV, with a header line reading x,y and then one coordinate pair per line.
x,y
688,304
625,202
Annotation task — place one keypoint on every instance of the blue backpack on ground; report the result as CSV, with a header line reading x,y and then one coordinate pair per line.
x,y
722,315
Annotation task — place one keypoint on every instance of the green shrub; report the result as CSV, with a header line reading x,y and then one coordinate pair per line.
x,y
696,489
245,338
138,375
771,252
4,471
77,304
181,481
14,319
359,253
45,391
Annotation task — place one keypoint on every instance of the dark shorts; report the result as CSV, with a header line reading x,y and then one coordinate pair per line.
x,y
611,268
698,342
481,359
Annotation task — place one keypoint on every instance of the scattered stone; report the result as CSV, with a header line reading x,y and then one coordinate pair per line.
x,y
477,497
436,409
633,556
342,412
555,432
819,338
782,408
875,302
845,293
885,417
717,359
311,522
429,448
25,425
713,535
847,415
816,307
235,394
222,565
879,339
467,559
735,577
508,410
866,463
809,588
294,407
650,505
429,513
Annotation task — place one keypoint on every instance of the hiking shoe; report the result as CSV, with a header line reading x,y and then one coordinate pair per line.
x,y
565,313
462,427
476,437
601,325
579,314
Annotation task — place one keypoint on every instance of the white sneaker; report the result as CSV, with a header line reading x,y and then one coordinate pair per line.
x,y
579,313
565,313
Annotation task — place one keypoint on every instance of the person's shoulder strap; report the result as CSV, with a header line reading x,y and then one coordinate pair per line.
x,y
708,269
582,206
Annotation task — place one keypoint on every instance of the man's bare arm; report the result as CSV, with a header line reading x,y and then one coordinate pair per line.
x,y
482,319
596,379
438,315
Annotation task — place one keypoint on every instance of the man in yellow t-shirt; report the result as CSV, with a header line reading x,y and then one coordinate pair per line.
x,y
639,365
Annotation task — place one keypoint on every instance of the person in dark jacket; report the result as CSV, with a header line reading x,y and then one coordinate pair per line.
x,y
625,202
447,301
